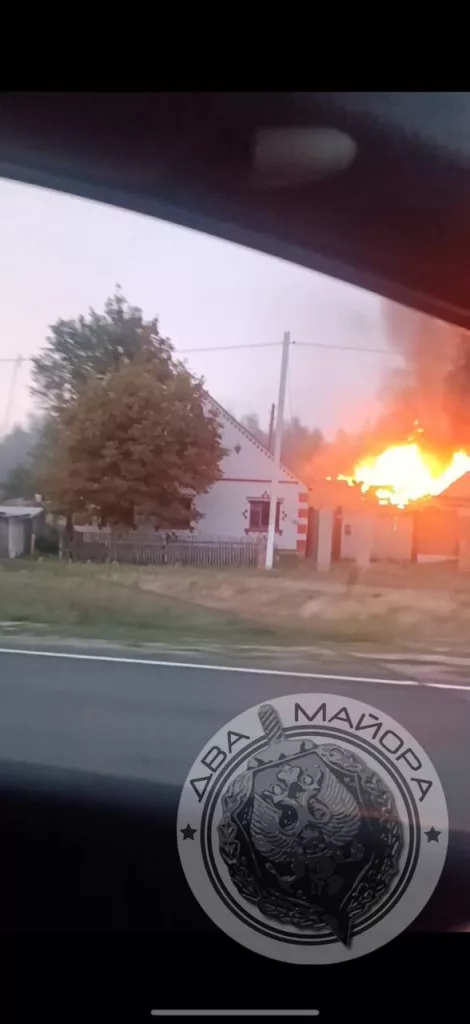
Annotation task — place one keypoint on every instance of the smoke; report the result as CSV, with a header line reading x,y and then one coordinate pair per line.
x,y
426,396
417,394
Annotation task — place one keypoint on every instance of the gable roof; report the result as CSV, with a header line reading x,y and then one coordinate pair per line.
x,y
254,440
459,489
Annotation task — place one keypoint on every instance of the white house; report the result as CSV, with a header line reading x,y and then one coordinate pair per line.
x,y
237,506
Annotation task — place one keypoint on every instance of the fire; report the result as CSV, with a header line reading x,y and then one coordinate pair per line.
x,y
407,472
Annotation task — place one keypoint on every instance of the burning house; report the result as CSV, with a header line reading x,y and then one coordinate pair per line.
x,y
406,503
401,491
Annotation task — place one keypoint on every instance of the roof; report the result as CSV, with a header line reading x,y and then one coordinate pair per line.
x,y
459,490
328,493
254,440
20,511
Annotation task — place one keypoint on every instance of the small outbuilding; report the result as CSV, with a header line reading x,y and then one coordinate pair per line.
x,y
18,527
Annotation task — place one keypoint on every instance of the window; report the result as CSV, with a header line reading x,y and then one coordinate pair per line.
x,y
259,515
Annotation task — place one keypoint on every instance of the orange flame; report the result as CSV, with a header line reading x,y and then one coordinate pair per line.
x,y
405,472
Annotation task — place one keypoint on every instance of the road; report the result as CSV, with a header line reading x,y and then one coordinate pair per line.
x,y
127,714
88,736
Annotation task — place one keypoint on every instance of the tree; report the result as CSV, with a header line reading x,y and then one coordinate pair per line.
x,y
94,346
20,482
17,460
251,423
300,444
136,440
16,447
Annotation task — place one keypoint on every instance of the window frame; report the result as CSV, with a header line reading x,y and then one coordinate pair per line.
x,y
254,527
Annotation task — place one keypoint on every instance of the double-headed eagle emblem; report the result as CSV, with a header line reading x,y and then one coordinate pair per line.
x,y
310,834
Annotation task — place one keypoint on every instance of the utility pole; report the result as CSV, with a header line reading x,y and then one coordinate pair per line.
x,y
271,428
277,451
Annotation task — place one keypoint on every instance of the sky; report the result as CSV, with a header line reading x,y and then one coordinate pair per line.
x,y
61,255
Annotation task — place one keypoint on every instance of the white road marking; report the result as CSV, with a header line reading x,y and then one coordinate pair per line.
x,y
447,686
231,668
206,668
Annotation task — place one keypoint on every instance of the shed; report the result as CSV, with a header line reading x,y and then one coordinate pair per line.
x,y
17,528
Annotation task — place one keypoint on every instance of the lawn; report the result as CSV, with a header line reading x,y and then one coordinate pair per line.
x,y
83,600
177,606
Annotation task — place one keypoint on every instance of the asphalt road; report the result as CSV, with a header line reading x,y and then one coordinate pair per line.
x,y
73,865
146,717
84,731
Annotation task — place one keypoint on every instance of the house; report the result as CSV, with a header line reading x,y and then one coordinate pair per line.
x,y
391,533
347,525
442,530
18,526
237,506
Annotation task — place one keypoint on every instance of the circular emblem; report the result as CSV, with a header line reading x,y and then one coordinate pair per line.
x,y
312,828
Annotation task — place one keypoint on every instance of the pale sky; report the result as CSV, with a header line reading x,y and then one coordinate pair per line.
x,y
59,255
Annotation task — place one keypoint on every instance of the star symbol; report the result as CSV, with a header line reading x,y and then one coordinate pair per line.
x,y
188,832
432,835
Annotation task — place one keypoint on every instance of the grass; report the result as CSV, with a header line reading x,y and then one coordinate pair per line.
x,y
48,596
177,606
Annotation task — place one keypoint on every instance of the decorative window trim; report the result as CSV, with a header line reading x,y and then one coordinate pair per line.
x,y
262,527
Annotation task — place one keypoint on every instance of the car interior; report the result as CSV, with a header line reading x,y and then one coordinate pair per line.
x,y
97,921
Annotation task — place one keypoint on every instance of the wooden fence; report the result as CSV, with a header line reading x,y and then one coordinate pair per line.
x,y
106,548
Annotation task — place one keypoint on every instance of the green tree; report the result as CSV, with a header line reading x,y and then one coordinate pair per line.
x,y
20,482
17,446
137,440
94,346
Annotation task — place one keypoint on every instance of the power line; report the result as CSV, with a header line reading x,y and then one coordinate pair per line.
x,y
228,348
344,348
186,351
264,344
436,356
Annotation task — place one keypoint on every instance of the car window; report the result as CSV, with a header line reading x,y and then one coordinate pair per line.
x,y
234,511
